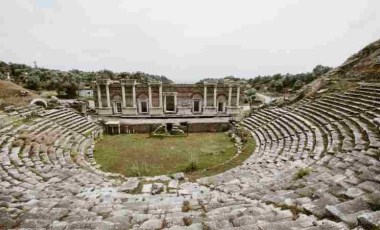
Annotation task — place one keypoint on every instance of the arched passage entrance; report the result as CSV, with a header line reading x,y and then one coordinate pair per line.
x,y
39,102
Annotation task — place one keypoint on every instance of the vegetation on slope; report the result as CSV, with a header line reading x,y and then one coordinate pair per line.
x,y
290,82
65,82
362,66
10,94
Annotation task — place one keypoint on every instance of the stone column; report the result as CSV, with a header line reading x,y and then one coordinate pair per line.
x,y
229,96
123,95
175,102
160,95
165,103
238,96
99,97
205,97
134,95
150,96
108,95
215,96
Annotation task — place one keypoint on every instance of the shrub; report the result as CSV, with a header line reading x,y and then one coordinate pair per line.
x,y
374,201
186,206
192,164
302,173
141,170
187,221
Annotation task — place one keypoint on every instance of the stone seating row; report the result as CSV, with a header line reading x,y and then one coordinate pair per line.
x,y
341,150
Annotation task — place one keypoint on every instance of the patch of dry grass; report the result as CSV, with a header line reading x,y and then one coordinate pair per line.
x,y
10,94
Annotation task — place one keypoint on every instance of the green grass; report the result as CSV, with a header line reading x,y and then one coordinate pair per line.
x,y
139,155
232,163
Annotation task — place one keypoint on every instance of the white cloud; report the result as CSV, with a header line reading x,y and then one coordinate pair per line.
x,y
187,40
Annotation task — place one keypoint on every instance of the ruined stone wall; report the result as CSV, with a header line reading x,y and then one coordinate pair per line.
x,y
193,128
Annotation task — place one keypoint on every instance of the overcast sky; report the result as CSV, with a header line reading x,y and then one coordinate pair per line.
x,y
187,40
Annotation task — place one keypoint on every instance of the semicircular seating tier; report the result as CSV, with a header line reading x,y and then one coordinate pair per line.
x,y
316,166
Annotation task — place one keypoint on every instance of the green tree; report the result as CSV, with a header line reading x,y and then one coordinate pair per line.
x,y
279,85
33,82
320,70
297,85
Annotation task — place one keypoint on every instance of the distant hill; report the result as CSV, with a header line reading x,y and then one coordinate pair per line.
x,y
10,94
362,66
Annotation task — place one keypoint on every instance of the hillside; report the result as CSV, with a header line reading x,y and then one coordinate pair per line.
x,y
10,94
362,66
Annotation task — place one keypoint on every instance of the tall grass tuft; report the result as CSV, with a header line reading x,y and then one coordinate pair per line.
x,y
192,164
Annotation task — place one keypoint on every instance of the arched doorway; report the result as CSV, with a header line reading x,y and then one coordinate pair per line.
x,y
197,103
39,102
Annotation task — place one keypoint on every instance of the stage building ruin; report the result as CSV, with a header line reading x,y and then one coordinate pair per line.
x,y
127,97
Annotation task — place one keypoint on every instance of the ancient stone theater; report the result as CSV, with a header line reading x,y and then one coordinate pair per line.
x,y
128,97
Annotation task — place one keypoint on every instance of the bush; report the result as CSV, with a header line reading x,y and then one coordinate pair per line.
x,y
141,170
33,83
187,221
186,206
192,164
302,173
374,201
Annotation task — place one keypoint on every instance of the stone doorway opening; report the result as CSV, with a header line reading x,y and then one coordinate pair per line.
x,y
221,107
170,102
196,106
143,106
117,107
